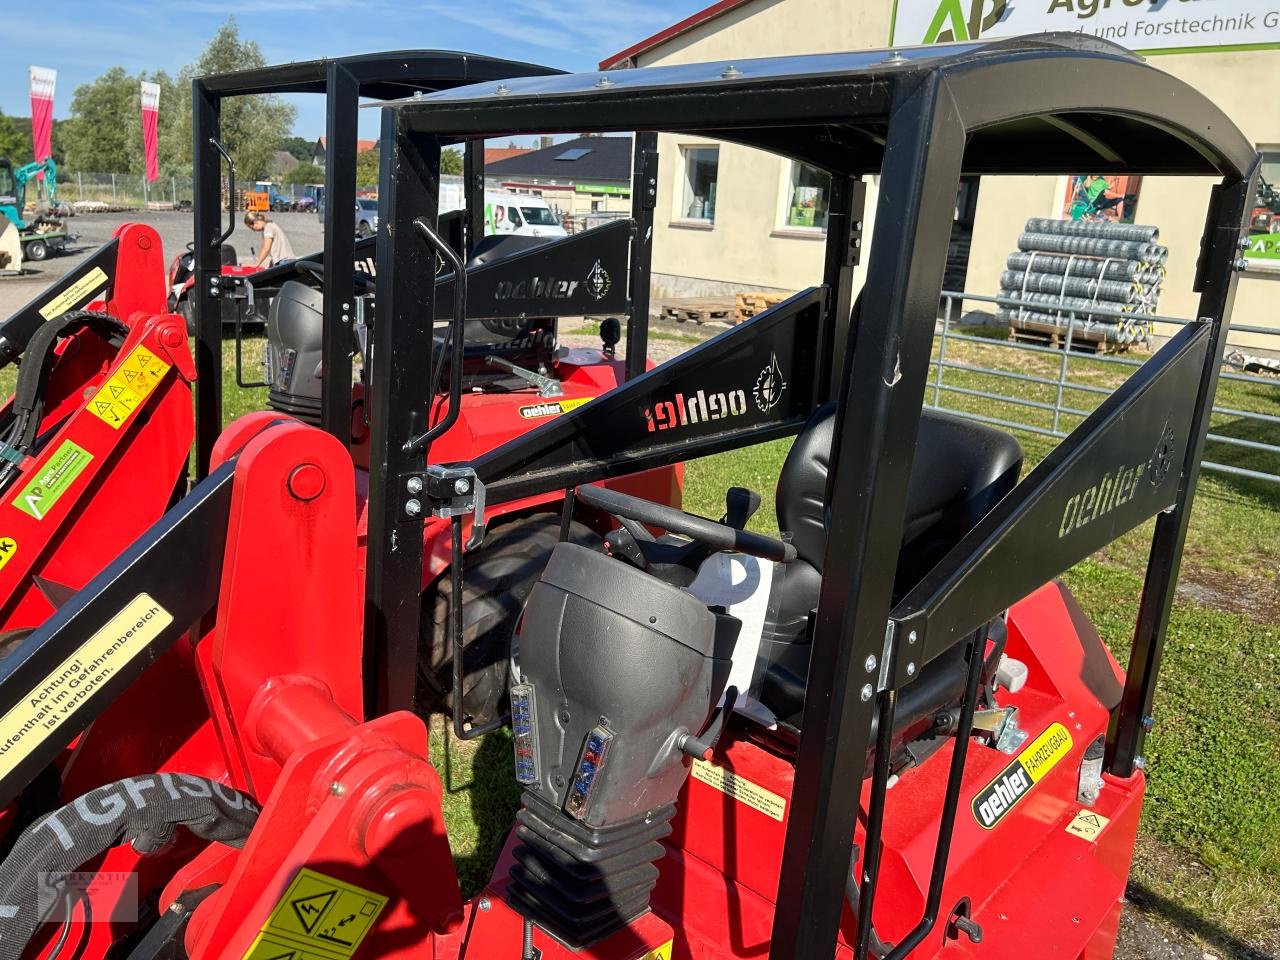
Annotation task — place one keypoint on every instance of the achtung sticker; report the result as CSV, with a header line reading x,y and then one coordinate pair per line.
x,y
662,953
741,789
55,700
553,408
57,475
1016,780
78,293
318,917
1087,824
8,547
125,390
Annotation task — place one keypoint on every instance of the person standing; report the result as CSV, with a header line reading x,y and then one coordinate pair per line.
x,y
275,244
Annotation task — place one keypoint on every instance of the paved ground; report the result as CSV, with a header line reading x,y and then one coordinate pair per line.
x,y
305,232
1144,934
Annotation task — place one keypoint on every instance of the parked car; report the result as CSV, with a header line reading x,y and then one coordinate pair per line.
x,y
366,216
520,214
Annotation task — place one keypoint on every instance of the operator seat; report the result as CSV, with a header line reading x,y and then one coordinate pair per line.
x,y
961,470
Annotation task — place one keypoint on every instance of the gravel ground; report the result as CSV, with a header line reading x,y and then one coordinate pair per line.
x,y
1143,935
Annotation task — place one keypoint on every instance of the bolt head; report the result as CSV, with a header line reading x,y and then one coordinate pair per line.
x,y
413,508
1148,723
1139,763
484,904
911,669
912,637
870,664
337,789
868,692
413,485
461,485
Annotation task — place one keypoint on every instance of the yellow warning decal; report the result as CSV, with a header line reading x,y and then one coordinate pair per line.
x,y
55,700
661,953
8,547
741,789
553,408
1087,824
116,399
318,918
75,295
1015,781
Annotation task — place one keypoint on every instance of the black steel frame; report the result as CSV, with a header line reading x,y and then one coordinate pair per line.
x,y
343,81
1046,105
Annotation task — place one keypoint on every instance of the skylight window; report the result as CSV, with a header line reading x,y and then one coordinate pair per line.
x,y
577,153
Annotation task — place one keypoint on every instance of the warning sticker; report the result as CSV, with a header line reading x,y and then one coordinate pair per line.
x,y
742,790
37,498
991,804
318,917
8,547
75,295
1087,824
662,953
128,387
553,408
55,700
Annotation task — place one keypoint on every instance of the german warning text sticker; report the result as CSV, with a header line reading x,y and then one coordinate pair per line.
x,y
75,295
1087,824
54,701
318,917
116,399
741,789
52,480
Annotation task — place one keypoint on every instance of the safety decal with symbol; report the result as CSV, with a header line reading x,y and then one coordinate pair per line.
x,y
125,390
8,547
1087,824
318,918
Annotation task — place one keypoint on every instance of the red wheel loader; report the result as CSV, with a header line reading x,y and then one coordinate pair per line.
x,y
886,732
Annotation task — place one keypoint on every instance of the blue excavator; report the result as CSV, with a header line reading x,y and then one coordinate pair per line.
x,y
43,234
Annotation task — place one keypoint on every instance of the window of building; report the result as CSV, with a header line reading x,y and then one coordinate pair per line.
x,y
806,198
701,174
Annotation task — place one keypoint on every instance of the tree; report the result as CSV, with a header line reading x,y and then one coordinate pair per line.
x,y
368,164
305,172
252,127
15,139
451,161
299,147
97,136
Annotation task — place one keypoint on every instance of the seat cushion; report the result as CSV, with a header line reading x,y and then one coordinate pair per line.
x,y
961,470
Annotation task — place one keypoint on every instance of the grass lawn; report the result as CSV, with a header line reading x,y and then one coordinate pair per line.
x,y
1209,857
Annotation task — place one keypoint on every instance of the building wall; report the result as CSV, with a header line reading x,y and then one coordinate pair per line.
x,y
744,248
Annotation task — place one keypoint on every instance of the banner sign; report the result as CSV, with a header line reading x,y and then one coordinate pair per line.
x,y
1144,26
43,80
150,122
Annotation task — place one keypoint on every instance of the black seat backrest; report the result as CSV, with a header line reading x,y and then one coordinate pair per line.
x,y
961,470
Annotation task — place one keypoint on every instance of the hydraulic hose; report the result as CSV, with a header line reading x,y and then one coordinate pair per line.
x,y
145,811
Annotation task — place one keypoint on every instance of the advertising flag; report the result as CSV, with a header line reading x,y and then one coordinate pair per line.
x,y
42,83
150,122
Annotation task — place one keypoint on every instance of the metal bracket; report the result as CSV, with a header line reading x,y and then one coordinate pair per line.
x,y
547,386
448,492
907,661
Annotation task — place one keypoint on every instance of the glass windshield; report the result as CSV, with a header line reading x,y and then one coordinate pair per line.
x,y
539,217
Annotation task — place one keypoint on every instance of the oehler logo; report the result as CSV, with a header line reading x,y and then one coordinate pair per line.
x,y
993,803
1119,486
686,409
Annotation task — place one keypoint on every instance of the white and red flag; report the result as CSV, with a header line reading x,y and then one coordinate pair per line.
x,y
43,80
150,126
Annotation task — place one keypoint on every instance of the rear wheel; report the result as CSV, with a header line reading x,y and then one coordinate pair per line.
x,y
36,250
497,579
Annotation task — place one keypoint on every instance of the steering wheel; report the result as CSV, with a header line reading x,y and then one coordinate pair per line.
x,y
719,536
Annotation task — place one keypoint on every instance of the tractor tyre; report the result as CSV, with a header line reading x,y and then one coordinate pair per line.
x,y
497,579
36,250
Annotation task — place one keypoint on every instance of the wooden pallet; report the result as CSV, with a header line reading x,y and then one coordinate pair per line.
x,y
699,310
749,304
1058,340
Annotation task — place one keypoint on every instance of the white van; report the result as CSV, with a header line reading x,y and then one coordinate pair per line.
x,y
526,216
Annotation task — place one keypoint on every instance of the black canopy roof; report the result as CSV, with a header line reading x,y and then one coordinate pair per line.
x,y
382,76
1050,103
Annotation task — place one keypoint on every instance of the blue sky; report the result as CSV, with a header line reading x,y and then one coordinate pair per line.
x,y
81,39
